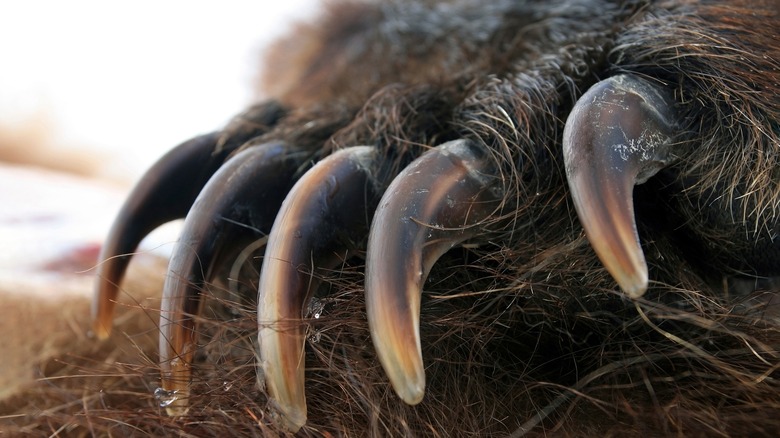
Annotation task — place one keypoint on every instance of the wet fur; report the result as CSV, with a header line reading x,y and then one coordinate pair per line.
x,y
521,326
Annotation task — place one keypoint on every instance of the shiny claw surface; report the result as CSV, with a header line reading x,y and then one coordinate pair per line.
x,y
163,194
235,208
463,106
437,202
618,135
322,219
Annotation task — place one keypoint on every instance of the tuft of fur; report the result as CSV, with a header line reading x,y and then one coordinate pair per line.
x,y
522,328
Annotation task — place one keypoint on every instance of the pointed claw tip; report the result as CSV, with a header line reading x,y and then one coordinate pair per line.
x,y
292,418
634,285
177,411
289,414
101,331
408,382
412,392
103,302
625,262
403,363
174,397
622,257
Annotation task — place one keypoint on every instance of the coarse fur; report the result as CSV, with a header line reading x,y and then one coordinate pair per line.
x,y
522,328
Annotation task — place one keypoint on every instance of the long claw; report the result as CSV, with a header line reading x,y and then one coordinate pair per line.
x,y
618,135
237,205
435,203
165,193
320,218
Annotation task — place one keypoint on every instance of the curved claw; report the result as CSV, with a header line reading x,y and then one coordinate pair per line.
x,y
618,135
431,206
237,205
163,194
320,218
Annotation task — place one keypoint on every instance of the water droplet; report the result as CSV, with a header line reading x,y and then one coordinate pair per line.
x,y
178,364
164,397
226,386
316,307
315,337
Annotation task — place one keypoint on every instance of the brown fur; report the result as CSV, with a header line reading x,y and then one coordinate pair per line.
x,y
522,325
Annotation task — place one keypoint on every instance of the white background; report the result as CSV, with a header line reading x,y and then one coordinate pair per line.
x,y
133,78
120,81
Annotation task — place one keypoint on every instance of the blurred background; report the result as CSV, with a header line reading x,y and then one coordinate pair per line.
x,y
105,88
93,92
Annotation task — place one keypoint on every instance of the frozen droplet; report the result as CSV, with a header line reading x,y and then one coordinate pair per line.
x,y
164,397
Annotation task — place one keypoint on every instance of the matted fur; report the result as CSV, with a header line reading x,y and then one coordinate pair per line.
x,y
522,326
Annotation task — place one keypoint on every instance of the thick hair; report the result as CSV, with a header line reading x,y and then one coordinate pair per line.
x,y
523,330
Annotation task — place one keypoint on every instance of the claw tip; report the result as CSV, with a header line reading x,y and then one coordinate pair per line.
x,y
101,330
176,411
412,393
291,418
634,285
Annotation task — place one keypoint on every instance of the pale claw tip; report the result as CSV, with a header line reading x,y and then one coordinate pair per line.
x,y
400,353
174,396
101,330
634,282
412,392
177,411
291,418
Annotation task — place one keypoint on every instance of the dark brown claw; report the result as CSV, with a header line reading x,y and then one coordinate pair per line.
x,y
322,218
164,193
618,135
235,208
435,203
